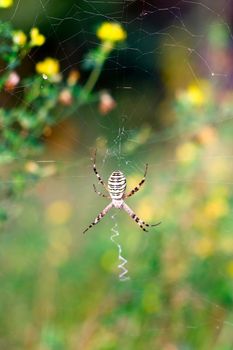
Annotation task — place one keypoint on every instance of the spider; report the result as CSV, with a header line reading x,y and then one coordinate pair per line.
x,y
116,189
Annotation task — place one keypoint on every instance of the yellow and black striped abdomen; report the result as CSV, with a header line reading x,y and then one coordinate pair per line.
x,y
117,185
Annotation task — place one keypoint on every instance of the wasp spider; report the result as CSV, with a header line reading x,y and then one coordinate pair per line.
x,y
116,190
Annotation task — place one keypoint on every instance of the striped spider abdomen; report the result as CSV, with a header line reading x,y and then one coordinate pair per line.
x,y
117,185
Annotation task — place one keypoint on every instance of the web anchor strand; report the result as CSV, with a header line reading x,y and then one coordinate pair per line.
x,y
123,270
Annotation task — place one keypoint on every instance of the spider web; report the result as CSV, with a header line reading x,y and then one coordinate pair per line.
x,y
163,36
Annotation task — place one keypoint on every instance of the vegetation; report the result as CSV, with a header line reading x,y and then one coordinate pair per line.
x,y
59,289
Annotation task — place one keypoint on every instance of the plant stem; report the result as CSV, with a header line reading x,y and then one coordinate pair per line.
x,y
88,87
106,48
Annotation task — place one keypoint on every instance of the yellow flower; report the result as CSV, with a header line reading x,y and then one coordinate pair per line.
x,y
111,32
195,95
37,39
6,3
216,208
19,38
49,67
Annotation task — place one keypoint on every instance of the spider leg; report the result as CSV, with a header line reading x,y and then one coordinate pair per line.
x,y
137,188
99,217
140,222
96,172
99,193
158,223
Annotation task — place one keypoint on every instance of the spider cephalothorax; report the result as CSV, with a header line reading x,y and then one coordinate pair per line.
x,y
116,189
